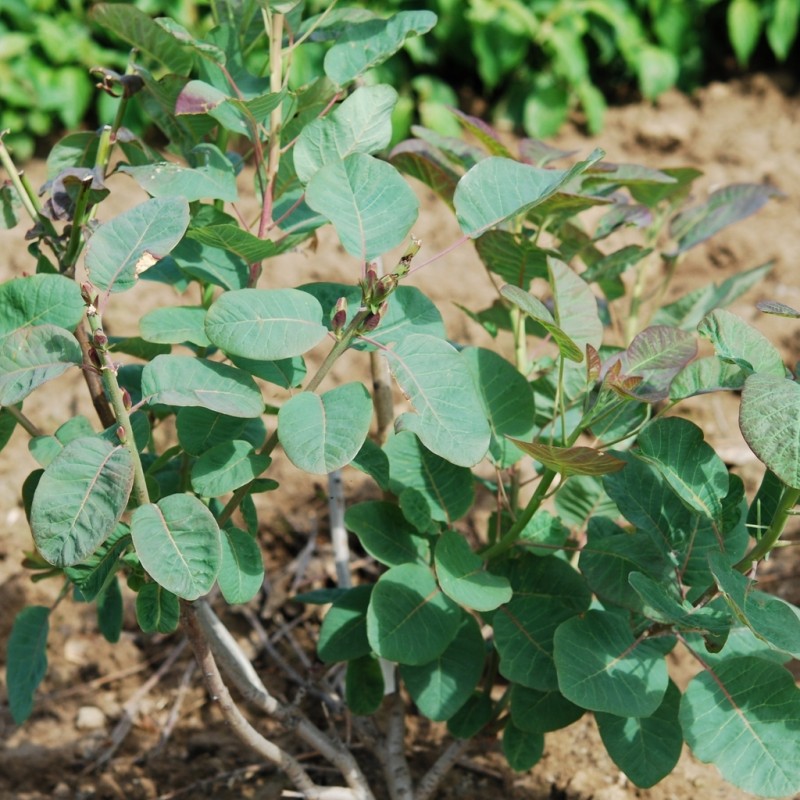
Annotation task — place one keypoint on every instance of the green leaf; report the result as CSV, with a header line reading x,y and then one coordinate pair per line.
x,y
200,429
39,300
547,591
540,712
366,44
743,718
771,619
543,535
136,28
710,374
233,239
79,499
782,28
32,356
450,420
110,611
364,687
208,264
497,188
26,659
676,448
361,124
688,311
157,610
343,633
646,749
521,748
409,619
584,497
442,686
611,554
226,467
178,543
8,422
121,249
744,28
658,70
368,202
265,324
769,418
321,433
741,344
241,571
419,160
386,535
447,488
284,372
602,667
175,326
538,312
512,257
93,574
575,306
187,381
657,355
724,207
463,578
571,460
213,179
371,460
506,398
472,717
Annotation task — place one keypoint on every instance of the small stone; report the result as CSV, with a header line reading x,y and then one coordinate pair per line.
x,y
62,791
90,718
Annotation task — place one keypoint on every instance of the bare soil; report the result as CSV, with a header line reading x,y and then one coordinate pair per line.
x,y
744,131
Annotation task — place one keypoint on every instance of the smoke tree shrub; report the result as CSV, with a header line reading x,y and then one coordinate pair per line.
x,y
618,533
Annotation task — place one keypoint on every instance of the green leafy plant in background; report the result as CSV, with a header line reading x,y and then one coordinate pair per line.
x,y
618,534
47,48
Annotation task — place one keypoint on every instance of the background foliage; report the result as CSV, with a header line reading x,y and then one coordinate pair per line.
x,y
531,61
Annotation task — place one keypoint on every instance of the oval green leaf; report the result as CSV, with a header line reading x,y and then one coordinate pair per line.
x,y
241,572
409,619
226,467
321,433
450,420
123,248
769,418
368,202
463,578
26,659
343,633
743,718
40,300
157,610
265,324
79,499
386,535
603,668
32,356
187,381
175,326
178,543
441,687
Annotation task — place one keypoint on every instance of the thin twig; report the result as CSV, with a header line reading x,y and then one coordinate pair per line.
x,y
210,632
175,711
131,708
29,427
432,779
94,382
398,775
339,541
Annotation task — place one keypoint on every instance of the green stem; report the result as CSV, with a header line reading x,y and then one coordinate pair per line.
x,y
78,220
16,181
762,548
109,375
509,538
29,427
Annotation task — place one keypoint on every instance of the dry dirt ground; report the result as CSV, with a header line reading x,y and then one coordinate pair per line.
x,y
178,747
